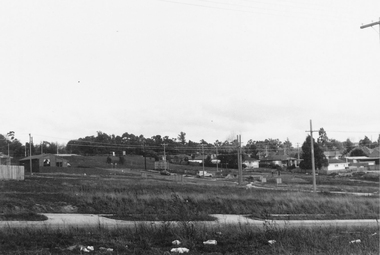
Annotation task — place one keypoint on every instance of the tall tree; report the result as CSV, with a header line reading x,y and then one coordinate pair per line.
x,y
319,157
323,140
348,145
182,138
365,142
287,144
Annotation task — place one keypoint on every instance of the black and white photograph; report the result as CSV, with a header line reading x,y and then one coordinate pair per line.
x,y
217,127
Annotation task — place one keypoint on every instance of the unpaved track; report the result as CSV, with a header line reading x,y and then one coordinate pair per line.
x,y
64,221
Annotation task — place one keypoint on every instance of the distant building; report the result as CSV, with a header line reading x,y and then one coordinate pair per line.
x,y
278,160
251,163
332,154
5,159
43,160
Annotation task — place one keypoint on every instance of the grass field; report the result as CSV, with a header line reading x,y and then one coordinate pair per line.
x,y
91,186
126,194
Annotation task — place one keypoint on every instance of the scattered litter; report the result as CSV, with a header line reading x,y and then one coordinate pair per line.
x,y
271,241
249,186
219,233
90,248
106,249
176,242
214,242
356,241
72,247
373,234
180,250
82,248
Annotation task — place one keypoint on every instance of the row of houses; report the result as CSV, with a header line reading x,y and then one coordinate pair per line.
x,y
336,160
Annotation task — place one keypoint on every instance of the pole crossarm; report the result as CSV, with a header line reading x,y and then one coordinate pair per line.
x,y
370,25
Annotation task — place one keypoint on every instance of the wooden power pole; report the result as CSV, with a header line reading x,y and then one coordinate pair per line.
x,y
312,156
240,168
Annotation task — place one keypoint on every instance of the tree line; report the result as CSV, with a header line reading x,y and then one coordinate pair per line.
x,y
156,146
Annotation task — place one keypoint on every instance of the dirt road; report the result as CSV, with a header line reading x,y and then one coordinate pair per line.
x,y
91,220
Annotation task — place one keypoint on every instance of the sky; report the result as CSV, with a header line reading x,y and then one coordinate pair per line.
x,y
213,69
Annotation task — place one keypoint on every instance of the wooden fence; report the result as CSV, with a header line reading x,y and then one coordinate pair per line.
x,y
8,172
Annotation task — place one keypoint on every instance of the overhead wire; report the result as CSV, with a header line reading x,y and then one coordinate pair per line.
x,y
254,9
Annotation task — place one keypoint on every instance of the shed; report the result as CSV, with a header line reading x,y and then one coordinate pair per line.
x,y
43,160
5,159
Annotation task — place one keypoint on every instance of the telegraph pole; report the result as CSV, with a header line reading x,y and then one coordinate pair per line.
x,y
145,156
240,161
217,160
164,156
30,154
298,154
371,25
203,160
312,156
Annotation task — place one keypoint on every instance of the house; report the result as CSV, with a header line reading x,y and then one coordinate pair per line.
x,y
197,160
372,158
180,159
5,159
335,165
251,163
366,151
332,154
278,160
43,160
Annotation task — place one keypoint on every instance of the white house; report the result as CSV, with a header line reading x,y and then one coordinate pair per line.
x,y
335,165
251,163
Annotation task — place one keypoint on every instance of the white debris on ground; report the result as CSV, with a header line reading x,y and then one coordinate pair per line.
x,y
249,186
106,249
271,241
356,241
213,242
180,250
176,242
83,248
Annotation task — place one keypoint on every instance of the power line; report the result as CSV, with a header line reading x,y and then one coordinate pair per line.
x,y
254,9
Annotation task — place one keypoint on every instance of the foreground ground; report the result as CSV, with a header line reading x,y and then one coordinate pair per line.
x,y
158,239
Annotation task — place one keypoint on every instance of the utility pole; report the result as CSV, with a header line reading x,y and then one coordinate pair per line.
x,y
298,154
312,156
144,156
30,154
164,156
240,169
203,160
371,25
217,160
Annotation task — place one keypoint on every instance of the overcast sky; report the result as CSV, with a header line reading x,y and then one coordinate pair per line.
x,y
210,68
